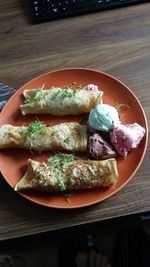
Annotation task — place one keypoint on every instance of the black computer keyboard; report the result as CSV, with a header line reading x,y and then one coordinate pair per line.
x,y
44,10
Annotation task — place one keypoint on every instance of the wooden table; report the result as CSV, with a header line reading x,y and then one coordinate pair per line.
x,y
115,41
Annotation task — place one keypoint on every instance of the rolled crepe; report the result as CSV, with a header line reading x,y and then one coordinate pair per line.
x,y
75,174
65,136
60,102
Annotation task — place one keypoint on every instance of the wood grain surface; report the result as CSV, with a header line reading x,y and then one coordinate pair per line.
x,y
114,41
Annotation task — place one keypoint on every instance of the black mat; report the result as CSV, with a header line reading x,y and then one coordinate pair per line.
x,y
5,93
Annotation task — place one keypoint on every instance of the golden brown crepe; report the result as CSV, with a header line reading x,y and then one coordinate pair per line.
x,y
37,136
60,102
65,172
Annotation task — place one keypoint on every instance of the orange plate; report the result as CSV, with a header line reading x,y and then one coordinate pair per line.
x,y
13,162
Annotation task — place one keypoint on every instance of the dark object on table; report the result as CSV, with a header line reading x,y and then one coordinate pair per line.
x,y
132,249
43,10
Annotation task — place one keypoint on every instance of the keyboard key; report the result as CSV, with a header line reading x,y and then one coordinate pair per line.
x,y
55,10
99,2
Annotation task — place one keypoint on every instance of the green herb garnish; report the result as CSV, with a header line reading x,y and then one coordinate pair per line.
x,y
60,182
36,128
60,159
39,95
65,93
57,162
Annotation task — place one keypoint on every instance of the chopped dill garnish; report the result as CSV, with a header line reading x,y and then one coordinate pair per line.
x,y
60,183
60,159
39,95
36,128
65,93
57,162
